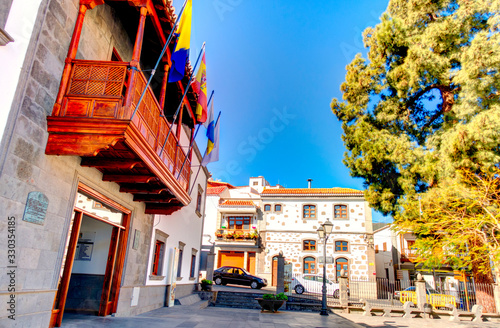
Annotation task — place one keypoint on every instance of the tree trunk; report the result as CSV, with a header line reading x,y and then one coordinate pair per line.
x,y
483,285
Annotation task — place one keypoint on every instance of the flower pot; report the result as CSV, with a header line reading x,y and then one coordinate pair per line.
x,y
270,305
206,287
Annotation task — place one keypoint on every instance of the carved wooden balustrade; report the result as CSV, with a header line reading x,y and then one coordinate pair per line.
x,y
96,119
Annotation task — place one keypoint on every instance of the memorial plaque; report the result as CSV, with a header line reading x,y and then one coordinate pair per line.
x,y
36,208
329,260
137,235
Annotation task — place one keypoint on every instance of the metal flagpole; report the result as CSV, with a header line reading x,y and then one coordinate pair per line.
x,y
199,168
192,141
158,61
183,96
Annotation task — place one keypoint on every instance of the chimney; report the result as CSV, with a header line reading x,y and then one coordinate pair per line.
x,y
309,183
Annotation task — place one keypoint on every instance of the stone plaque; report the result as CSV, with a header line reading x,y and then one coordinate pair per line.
x,y
36,208
329,260
137,236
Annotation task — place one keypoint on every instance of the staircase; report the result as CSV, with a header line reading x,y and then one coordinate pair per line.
x,y
247,301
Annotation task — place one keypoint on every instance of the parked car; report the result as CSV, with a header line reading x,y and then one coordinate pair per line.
x,y
428,291
313,283
238,276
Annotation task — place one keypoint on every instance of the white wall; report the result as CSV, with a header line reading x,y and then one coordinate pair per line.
x,y
99,259
383,259
19,25
183,226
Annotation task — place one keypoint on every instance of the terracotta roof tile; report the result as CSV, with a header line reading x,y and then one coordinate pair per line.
x,y
238,203
218,184
312,192
215,190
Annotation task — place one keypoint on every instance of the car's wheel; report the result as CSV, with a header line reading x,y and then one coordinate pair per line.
x,y
299,289
254,284
218,281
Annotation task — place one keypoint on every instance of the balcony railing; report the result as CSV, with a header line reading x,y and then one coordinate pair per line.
x,y
236,235
408,254
96,116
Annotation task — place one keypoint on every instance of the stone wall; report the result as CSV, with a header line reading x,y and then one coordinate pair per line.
x,y
26,168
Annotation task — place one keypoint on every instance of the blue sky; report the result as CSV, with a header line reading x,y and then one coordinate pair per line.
x,y
275,67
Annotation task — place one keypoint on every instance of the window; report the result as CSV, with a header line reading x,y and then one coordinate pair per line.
x,y
309,265
239,223
267,208
376,248
158,258
341,246
277,208
256,183
179,263
340,264
309,211
384,247
199,200
193,265
340,211
309,245
158,255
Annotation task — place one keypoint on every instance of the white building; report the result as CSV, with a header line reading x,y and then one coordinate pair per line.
x,y
287,220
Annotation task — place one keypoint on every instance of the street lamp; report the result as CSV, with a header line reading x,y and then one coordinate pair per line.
x,y
323,232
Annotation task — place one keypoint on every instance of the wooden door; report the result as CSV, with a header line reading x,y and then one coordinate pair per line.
x,y
62,290
115,262
275,271
251,263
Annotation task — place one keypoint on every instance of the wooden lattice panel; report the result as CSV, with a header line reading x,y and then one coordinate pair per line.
x,y
97,80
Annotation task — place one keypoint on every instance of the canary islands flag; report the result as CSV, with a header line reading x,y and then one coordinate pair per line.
x,y
200,87
212,153
181,52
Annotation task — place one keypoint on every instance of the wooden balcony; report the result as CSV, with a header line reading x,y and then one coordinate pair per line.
x,y
95,121
408,255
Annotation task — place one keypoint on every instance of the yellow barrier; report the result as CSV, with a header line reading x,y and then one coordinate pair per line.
x,y
436,300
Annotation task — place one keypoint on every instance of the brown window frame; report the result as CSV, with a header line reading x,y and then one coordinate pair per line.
x,y
236,218
338,213
158,255
281,207
266,206
341,246
310,211
306,245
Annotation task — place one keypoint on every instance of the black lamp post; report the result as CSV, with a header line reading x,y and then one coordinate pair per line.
x,y
323,232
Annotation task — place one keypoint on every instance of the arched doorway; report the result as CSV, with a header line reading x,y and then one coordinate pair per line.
x,y
309,264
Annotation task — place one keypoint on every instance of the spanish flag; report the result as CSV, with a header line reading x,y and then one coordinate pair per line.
x,y
200,86
181,52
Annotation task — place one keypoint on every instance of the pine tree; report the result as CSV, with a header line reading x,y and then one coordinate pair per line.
x,y
424,104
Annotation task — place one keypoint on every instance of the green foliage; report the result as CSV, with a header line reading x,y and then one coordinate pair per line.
x,y
207,281
426,100
269,297
281,296
460,222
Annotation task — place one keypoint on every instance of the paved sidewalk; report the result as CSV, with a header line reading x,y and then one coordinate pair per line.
x,y
217,317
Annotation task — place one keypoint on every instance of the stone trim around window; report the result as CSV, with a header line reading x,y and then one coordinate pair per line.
x,y
199,201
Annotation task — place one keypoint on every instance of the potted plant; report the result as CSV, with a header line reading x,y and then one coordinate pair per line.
x,y
254,235
238,235
219,234
206,285
271,302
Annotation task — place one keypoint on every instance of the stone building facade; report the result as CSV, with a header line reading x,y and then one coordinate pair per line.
x,y
292,217
87,206
287,220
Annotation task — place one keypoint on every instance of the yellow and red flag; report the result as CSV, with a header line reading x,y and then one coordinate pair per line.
x,y
200,86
